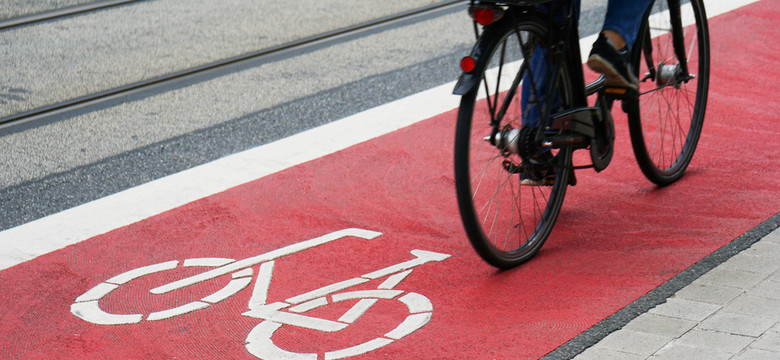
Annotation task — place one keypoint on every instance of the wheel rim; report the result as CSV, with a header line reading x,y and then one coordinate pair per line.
x,y
671,111
511,221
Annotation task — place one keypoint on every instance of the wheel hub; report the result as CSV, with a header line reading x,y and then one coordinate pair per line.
x,y
509,141
512,141
669,75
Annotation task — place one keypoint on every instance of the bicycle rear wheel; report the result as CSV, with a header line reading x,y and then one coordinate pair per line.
x,y
666,124
507,223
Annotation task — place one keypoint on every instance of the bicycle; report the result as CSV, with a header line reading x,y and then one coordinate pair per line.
x,y
259,341
507,223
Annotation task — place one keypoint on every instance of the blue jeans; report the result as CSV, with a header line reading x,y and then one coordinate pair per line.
x,y
623,17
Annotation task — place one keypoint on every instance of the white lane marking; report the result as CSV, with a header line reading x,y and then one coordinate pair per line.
x,y
417,303
370,294
363,305
422,257
357,310
186,308
259,341
271,255
394,280
232,288
357,349
310,305
90,311
259,344
36,238
271,313
263,283
146,270
97,292
87,305
207,262
411,324
77,224
325,290
243,273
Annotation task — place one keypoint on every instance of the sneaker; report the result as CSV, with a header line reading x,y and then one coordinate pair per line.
x,y
544,176
538,170
614,63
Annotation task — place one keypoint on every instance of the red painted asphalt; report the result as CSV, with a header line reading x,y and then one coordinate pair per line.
x,y
617,238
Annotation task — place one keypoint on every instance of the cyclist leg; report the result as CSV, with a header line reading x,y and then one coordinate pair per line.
x,y
535,81
610,53
533,99
540,73
623,19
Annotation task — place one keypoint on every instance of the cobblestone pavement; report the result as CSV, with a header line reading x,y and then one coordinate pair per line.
x,y
731,312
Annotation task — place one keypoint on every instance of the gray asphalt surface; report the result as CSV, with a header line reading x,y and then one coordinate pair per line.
x,y
75,156
72,157
10,9
78,55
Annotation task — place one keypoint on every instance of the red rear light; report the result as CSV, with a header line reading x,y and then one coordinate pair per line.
x,y
467,64
486,15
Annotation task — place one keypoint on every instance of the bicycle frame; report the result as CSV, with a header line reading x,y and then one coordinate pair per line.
x,y
514,147
591,126
566,43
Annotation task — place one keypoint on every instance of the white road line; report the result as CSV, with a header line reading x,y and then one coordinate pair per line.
x,y
36,238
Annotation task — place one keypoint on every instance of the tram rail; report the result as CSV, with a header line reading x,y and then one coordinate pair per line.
x,y
32,118
60,13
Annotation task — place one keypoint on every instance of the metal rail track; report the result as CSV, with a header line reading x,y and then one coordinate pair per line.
x,y
30,117
59,13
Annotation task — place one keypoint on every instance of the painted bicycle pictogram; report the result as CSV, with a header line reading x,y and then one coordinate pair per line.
x,y
290,312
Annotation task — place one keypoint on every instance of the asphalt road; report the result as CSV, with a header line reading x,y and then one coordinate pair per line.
x,y
66,158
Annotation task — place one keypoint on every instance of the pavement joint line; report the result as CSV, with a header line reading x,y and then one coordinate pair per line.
x,y
663,292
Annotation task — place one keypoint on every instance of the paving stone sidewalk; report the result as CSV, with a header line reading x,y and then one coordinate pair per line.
x,y
730,312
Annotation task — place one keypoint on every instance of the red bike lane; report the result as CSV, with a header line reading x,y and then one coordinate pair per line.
x,y
617,238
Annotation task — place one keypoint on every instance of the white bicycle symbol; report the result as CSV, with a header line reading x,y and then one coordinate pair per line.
x,y
275,315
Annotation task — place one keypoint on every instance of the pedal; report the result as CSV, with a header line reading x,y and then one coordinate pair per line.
x,y
621,93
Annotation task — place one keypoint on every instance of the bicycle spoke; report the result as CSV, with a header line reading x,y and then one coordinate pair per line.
x,y
502,217
669,123
501,62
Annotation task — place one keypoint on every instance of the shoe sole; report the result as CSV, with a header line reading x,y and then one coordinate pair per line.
x,y
542,182
613,77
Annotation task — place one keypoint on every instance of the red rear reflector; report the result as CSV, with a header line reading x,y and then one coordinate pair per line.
x,y
467,64
617,91
484,16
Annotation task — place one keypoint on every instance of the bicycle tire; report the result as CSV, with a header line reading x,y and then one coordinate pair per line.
x,y
506,223
666,123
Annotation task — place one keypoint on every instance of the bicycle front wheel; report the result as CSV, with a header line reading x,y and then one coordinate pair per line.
x,y
666,124
506,222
